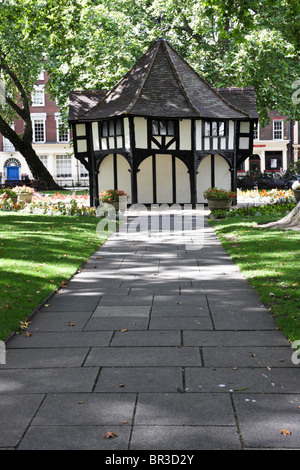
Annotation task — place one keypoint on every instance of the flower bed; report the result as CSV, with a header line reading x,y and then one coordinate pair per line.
x,y
265,197
56,204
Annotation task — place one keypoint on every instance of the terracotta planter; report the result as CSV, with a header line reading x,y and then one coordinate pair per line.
x,y
222,204
297,195
26,197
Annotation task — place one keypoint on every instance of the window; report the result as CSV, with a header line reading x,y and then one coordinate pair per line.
x,y
83,171
38,131
63,166
163,127
112,134
256,131
7,145
44,160
273,160
214,129
111,128
38,96
62,134
278,130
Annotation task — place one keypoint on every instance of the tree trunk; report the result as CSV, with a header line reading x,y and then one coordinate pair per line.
x,y
38,169
291,220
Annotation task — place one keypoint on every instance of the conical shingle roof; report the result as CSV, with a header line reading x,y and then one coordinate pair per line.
x,y
162,84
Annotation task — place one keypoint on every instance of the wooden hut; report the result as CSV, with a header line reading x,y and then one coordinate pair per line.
x,y
162,134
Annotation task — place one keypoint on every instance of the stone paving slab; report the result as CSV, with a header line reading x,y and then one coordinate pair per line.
x,y
16,411
61,339
85,409
116,323
146,338
48,380
180,323
145,356
184,409
44,357
185,438
139,379
262,417
60,321
248,356
76,438
234,338
243,380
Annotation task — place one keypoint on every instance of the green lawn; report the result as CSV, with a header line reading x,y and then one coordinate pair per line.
x,y
38,253
270,260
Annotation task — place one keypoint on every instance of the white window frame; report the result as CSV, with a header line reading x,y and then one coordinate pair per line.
x,y
58,120
275,121
67,158
38,89
6,143
38,117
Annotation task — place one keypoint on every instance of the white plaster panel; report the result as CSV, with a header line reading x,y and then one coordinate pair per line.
x,y
81,146
231,135
164,178
95,132
80,130
199,135
203,178
245,127
145,182
185,134
140,130
106,174
222,173
183,191
126,133
124,176
244,143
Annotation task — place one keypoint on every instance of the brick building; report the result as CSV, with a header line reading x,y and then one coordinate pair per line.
x,y
275,145
50,141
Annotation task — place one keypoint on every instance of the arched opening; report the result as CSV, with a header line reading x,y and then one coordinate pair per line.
x,y
213,170
254,164
163,178
114,174
12,169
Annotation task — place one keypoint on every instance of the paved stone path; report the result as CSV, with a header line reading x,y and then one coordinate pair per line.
x,y
166,346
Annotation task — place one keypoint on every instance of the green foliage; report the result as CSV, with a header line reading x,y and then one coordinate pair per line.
x,y
253,210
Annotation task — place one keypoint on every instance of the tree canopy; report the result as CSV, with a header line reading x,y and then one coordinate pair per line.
x,y
90,44
230,43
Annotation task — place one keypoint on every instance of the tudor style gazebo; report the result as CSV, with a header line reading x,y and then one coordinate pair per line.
x,y
162,134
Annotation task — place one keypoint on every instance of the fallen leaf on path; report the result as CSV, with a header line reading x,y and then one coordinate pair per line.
x,y
109,434
285,432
